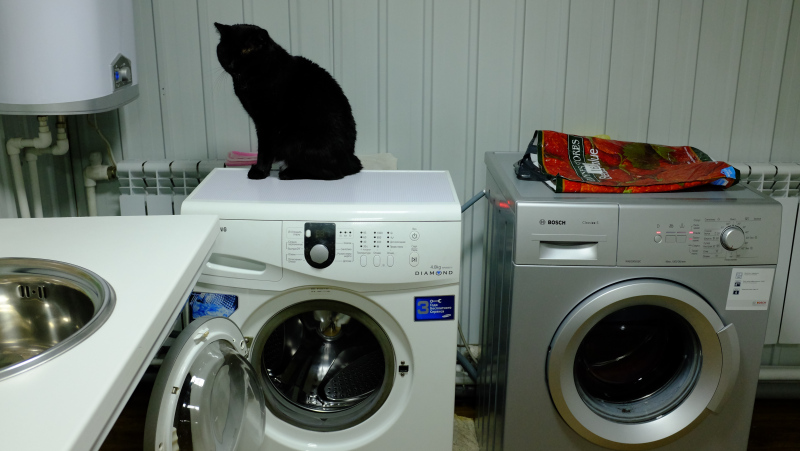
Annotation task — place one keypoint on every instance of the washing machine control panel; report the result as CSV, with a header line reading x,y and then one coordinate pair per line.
x,y
698,235
319,243
373,252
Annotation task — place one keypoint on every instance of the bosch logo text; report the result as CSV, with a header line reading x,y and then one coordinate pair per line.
x,y
552,222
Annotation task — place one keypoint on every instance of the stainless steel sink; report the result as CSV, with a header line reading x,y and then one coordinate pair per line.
x,y
46,308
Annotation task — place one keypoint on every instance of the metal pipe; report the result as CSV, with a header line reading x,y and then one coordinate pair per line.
x,y
36,191
474,199
779,373
471,371
19,183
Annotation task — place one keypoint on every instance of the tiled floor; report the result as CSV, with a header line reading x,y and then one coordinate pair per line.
x,y
775,426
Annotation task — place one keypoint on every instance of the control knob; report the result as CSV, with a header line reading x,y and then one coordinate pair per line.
x,y
319,254
732,238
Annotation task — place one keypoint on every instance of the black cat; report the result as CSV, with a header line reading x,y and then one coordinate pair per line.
x,y
301,114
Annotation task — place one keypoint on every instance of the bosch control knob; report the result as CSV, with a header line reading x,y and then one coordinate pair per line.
x,y
319,254
732,238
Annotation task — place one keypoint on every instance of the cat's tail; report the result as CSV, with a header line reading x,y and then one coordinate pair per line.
x,y
351,165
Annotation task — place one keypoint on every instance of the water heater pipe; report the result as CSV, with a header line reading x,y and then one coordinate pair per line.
x,y
13,147
36,192
779,373
93,173
60,147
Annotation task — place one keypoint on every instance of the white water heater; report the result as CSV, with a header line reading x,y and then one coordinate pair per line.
x,y
66,56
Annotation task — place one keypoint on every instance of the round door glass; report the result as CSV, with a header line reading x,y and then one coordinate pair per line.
x,y
637,364
220,402
326,365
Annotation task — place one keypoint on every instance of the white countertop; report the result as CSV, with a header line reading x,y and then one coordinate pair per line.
x,y
71,402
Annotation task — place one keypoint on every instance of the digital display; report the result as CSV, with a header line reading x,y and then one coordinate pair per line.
x,y
319,234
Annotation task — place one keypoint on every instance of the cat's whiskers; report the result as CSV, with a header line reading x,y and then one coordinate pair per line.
x,y
222,79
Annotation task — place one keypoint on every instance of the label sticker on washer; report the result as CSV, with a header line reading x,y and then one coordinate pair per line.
x,y
750,288
434,308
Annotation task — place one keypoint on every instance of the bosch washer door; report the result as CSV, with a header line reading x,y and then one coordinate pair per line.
x,y
207,395
640,363
326,365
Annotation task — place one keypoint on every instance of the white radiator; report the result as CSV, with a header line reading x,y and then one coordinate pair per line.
x,y
159,187
780,181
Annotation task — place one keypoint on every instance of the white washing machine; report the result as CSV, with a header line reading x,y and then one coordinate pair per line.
x,y
341,300
616,321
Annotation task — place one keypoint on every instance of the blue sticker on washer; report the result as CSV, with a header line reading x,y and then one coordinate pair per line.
x,y
434,308
212,304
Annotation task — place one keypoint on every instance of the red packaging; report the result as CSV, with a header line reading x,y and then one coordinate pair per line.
x,y
582,164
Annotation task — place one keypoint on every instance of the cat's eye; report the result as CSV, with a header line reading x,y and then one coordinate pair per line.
x,y
247,50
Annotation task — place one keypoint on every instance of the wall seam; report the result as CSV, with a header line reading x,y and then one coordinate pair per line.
x,y
780,82
696,63
652,74
610,55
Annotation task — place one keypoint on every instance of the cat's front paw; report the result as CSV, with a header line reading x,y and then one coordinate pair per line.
x,y
256,173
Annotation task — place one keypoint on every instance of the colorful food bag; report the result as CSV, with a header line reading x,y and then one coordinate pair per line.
x,y
582,164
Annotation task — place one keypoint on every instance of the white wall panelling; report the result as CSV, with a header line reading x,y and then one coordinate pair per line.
x,y
441,82
141,120
677,41
631,72
588,64
787,121
544,67
311,31
718,58
405,96
180,77
764,46
227,126
356,50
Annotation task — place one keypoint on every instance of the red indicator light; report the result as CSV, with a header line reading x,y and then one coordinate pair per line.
x,y
691,232
503,204
658,232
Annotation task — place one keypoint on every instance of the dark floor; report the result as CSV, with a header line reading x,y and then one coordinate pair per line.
x,y
775,426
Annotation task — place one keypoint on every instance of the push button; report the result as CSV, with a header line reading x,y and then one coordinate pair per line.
x,y
670,239
657,238
376,260
413,259
390,260
363,260
415,235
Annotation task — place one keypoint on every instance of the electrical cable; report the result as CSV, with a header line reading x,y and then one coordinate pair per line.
x,y
108,145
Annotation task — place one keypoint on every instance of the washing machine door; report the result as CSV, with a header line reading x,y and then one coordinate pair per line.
x,y
640,363
206,395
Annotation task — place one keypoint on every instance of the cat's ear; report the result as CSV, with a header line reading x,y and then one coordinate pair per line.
x,y
222,29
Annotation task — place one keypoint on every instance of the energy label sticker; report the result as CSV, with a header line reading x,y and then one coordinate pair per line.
x,y
750,288
434,308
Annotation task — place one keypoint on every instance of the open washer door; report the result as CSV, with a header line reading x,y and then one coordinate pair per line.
x,y
640,363
206,395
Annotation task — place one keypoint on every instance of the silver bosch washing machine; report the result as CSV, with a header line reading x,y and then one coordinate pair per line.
x,y
615,321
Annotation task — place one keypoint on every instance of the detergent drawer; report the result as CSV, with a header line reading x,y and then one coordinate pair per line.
x,y
247,250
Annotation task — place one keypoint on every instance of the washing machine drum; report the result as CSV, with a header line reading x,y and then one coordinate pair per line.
x,y
640,363
321,365
325,364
